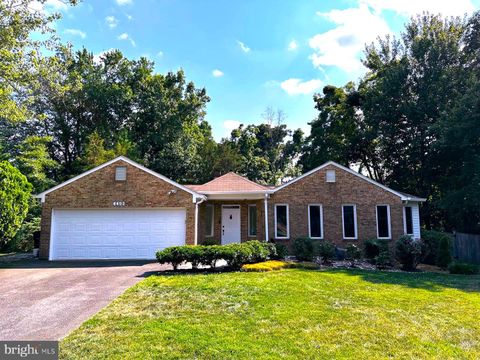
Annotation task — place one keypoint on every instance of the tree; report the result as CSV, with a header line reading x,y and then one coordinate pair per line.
x,y
20,55
14,196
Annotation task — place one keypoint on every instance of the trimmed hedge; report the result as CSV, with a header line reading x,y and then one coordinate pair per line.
x,y
463,268
235,255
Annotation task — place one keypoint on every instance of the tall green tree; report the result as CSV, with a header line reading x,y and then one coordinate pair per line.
x,y
14,196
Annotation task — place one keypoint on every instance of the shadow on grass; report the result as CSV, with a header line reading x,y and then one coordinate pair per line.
x,y
416,280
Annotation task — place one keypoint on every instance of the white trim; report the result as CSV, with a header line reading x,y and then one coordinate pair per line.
x,y
321,222
354,222
236,196
266,216
213,220
131,162
402,196
405,219
248,220
50,244
288,222
388,220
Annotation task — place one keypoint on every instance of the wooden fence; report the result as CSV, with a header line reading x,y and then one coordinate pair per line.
x,y
467,247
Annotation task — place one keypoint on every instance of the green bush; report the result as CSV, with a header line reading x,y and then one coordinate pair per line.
x,y
260,250
463,268
373,247
234,254
326,251
431,240
304,248
211,241
444,252
281,251
408,252
174,255
353,253
383,259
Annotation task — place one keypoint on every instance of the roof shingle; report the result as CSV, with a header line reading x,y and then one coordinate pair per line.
x,y
229,182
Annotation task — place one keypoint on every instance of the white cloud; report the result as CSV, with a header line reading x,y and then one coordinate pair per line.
x,y
343,45
124,2
412,7
230,125
97,57
243,47
297,86
125,36
48,6
76,32
217,73
129,17
292,45
111,21
160,54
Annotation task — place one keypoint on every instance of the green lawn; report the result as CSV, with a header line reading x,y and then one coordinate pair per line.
x,y
294,313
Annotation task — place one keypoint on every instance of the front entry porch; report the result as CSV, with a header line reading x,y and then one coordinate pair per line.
x,y
231,221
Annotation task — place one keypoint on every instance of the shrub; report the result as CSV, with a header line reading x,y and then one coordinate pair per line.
x,y
463,268
260,250
236,254
210,242
353,253
193,254
373,247
382,260
444,252
326,251
174,255
430,243
408,252
303,248
266,266
210,255
281,251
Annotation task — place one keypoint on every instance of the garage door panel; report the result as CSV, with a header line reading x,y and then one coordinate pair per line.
x,y
115,233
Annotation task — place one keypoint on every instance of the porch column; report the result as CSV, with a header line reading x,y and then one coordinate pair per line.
x,y
195,239
266,216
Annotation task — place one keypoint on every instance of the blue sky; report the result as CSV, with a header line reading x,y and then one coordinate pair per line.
x,y
248,54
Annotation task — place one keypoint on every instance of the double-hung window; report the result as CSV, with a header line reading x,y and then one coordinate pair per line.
x,y
252,220
282,230
315,221
349,221
209,220
408,220
383,222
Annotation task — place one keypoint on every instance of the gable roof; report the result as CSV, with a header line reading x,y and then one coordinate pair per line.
x,y
229,183
403,196
127,160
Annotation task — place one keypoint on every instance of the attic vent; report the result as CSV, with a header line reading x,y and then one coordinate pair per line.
x,y
121,173
330,177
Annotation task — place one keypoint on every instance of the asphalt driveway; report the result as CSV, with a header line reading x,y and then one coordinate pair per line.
x,y
42,300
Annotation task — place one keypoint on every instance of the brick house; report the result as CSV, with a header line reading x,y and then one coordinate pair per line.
x,y
122,210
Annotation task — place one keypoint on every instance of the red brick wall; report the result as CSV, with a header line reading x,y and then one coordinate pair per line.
x,y
348,189
99,190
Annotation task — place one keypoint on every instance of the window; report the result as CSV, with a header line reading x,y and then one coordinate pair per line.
x,y
252,220
330,177
121,173
209,220
315,221
282,230
349,220
383,221
408,220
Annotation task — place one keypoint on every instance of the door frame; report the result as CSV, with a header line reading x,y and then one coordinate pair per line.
x,y
239,221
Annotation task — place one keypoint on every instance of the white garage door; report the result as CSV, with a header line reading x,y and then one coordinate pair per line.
x,y
116,233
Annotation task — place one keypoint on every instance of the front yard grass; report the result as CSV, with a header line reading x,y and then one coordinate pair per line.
x,y
291,313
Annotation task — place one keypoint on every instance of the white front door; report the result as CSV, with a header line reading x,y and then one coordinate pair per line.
x,y
230,224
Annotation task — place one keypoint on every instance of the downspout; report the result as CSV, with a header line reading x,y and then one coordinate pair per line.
x,y
195,239
266,217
